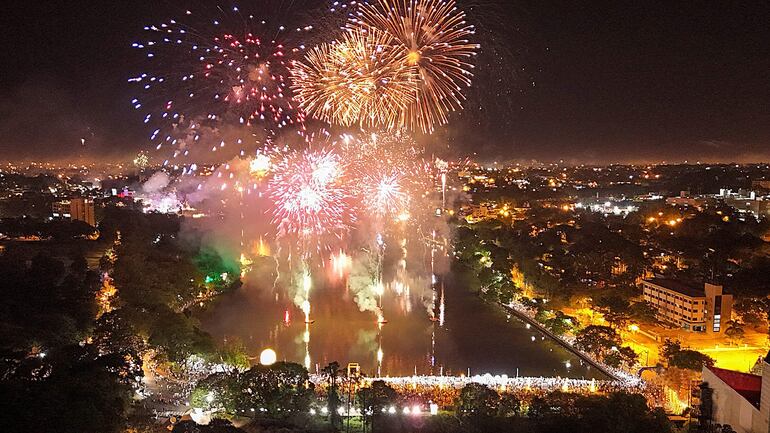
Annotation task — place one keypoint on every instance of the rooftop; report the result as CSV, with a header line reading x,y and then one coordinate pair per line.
x,y
678,286
749,386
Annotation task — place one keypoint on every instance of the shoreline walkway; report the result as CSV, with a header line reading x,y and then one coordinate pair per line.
x,y
526,319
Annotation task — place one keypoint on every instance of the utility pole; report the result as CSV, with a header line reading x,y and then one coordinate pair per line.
x,y
348,405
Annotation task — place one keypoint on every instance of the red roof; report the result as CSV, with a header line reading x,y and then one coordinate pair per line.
x,y
747,385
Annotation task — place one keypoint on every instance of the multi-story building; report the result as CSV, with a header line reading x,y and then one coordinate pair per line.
x,y
75,209
689,308
684,199
82,209
746,202
739,400
61,209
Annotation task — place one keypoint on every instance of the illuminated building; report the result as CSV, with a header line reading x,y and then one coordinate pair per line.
x,y
737,399
684,199
746,202
619,267
480,212
75,209
692,309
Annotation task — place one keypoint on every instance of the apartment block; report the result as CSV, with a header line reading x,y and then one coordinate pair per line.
x,y
680,304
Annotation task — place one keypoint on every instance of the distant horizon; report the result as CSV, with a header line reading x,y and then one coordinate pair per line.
x,y
484,161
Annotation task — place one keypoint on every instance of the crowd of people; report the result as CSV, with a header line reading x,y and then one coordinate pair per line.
x,y
444,390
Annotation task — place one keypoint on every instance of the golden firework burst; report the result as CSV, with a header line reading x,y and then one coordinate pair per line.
x,y
360,79
432,37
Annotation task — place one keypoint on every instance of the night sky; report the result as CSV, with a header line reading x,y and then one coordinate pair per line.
x,y
602,82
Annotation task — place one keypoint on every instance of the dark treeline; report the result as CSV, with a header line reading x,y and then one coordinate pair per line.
x,y
69,365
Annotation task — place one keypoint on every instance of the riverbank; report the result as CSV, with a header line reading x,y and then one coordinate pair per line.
x,y
614,374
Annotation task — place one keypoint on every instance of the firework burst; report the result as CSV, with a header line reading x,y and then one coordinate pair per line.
x,y
310,197
265,159
225,77
431,36
357,80
383,148
383,192
385,166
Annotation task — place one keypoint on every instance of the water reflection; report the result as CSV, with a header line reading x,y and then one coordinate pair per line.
x,y
455,334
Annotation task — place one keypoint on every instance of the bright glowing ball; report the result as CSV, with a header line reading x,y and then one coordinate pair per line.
x,y
413,57
260,165
268,357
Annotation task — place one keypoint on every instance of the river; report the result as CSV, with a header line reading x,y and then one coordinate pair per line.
x,y
467,336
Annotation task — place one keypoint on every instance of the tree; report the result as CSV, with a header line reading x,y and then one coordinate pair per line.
x,y
597,340
509,405
44,303
538,408
669,348
233,353
686,359
178,336
219,271
114,333
376,399
215,426
278,390
620,412
220,392
621,357
734,331
753,311
332,372
77,392
281,389
561,323
554,403
614,413
477,400
615,309
643,312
